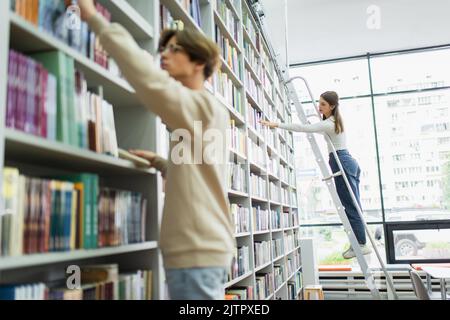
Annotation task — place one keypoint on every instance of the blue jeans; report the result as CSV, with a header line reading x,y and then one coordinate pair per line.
x,y
353,171
197,283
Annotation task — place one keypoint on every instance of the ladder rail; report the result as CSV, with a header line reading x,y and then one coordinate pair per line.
x,y
356,248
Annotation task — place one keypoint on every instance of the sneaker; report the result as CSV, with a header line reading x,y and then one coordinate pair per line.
x,y
351,254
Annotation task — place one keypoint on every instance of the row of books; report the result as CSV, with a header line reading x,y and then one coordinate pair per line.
x,y
73,212
285,220
267,84
231,94
241,218
260,219
293,262
274,167
276,218
121,217
284,173
52,17
252,58
295,218
238,138
262,253
241,262
268,65
279,275
274,192
264,285
293,198
294,286
192,7
252,87
237,180
270,110
256,153
280,106
272,138
297,238
254,116
250,27
228,52
231,23
289,243
292,219
258,186
283,150
98,282
239,293
277,247
47,97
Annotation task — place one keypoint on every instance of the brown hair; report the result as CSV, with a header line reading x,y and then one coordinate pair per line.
x,y
333,100
197,46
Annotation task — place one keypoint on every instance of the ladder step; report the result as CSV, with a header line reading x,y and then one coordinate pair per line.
x,y
334,175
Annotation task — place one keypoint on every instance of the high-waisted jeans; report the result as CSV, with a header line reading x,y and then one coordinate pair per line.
x,y
353,171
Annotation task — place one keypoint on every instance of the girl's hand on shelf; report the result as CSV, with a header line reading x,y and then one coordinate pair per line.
x,y
269,124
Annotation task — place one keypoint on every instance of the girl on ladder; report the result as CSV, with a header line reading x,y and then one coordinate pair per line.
x,y
332,125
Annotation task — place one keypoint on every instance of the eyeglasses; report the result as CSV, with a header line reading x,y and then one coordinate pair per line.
x,y
173,48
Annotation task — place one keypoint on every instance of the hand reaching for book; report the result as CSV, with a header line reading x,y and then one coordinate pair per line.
x,y
269,124
87,8
147,155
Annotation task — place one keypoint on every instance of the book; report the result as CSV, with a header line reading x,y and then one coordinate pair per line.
x,y
138,161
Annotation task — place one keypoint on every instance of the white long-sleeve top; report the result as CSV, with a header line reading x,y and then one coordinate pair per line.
x,y
323,127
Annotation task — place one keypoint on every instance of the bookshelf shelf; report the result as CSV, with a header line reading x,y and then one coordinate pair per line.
x,y
226,68
261,232
284,183
233,9
253,101
27,261
272,177
242,234
238,279
221,24
256,168
28,38
234,193
123,13
250,40
20,146
178,13
264,265
239,156
275,203
259,199
252,71
278,258
233,113
277,230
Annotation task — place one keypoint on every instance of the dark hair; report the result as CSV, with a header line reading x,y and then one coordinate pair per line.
x,y
197,46
333,100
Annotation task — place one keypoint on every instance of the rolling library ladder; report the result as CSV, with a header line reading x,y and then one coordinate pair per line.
x,y
368,272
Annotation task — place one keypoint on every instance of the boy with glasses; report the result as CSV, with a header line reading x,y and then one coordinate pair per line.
x,y
196,239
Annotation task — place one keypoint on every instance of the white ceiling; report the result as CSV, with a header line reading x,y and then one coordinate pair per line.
x,y
326,29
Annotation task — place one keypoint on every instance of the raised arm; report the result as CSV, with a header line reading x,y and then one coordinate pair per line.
x,y
177,105
319,127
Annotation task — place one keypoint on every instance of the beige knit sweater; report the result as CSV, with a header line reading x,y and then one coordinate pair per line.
x,y
196,229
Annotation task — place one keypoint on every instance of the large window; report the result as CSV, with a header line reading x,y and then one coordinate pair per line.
x,y
396,110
